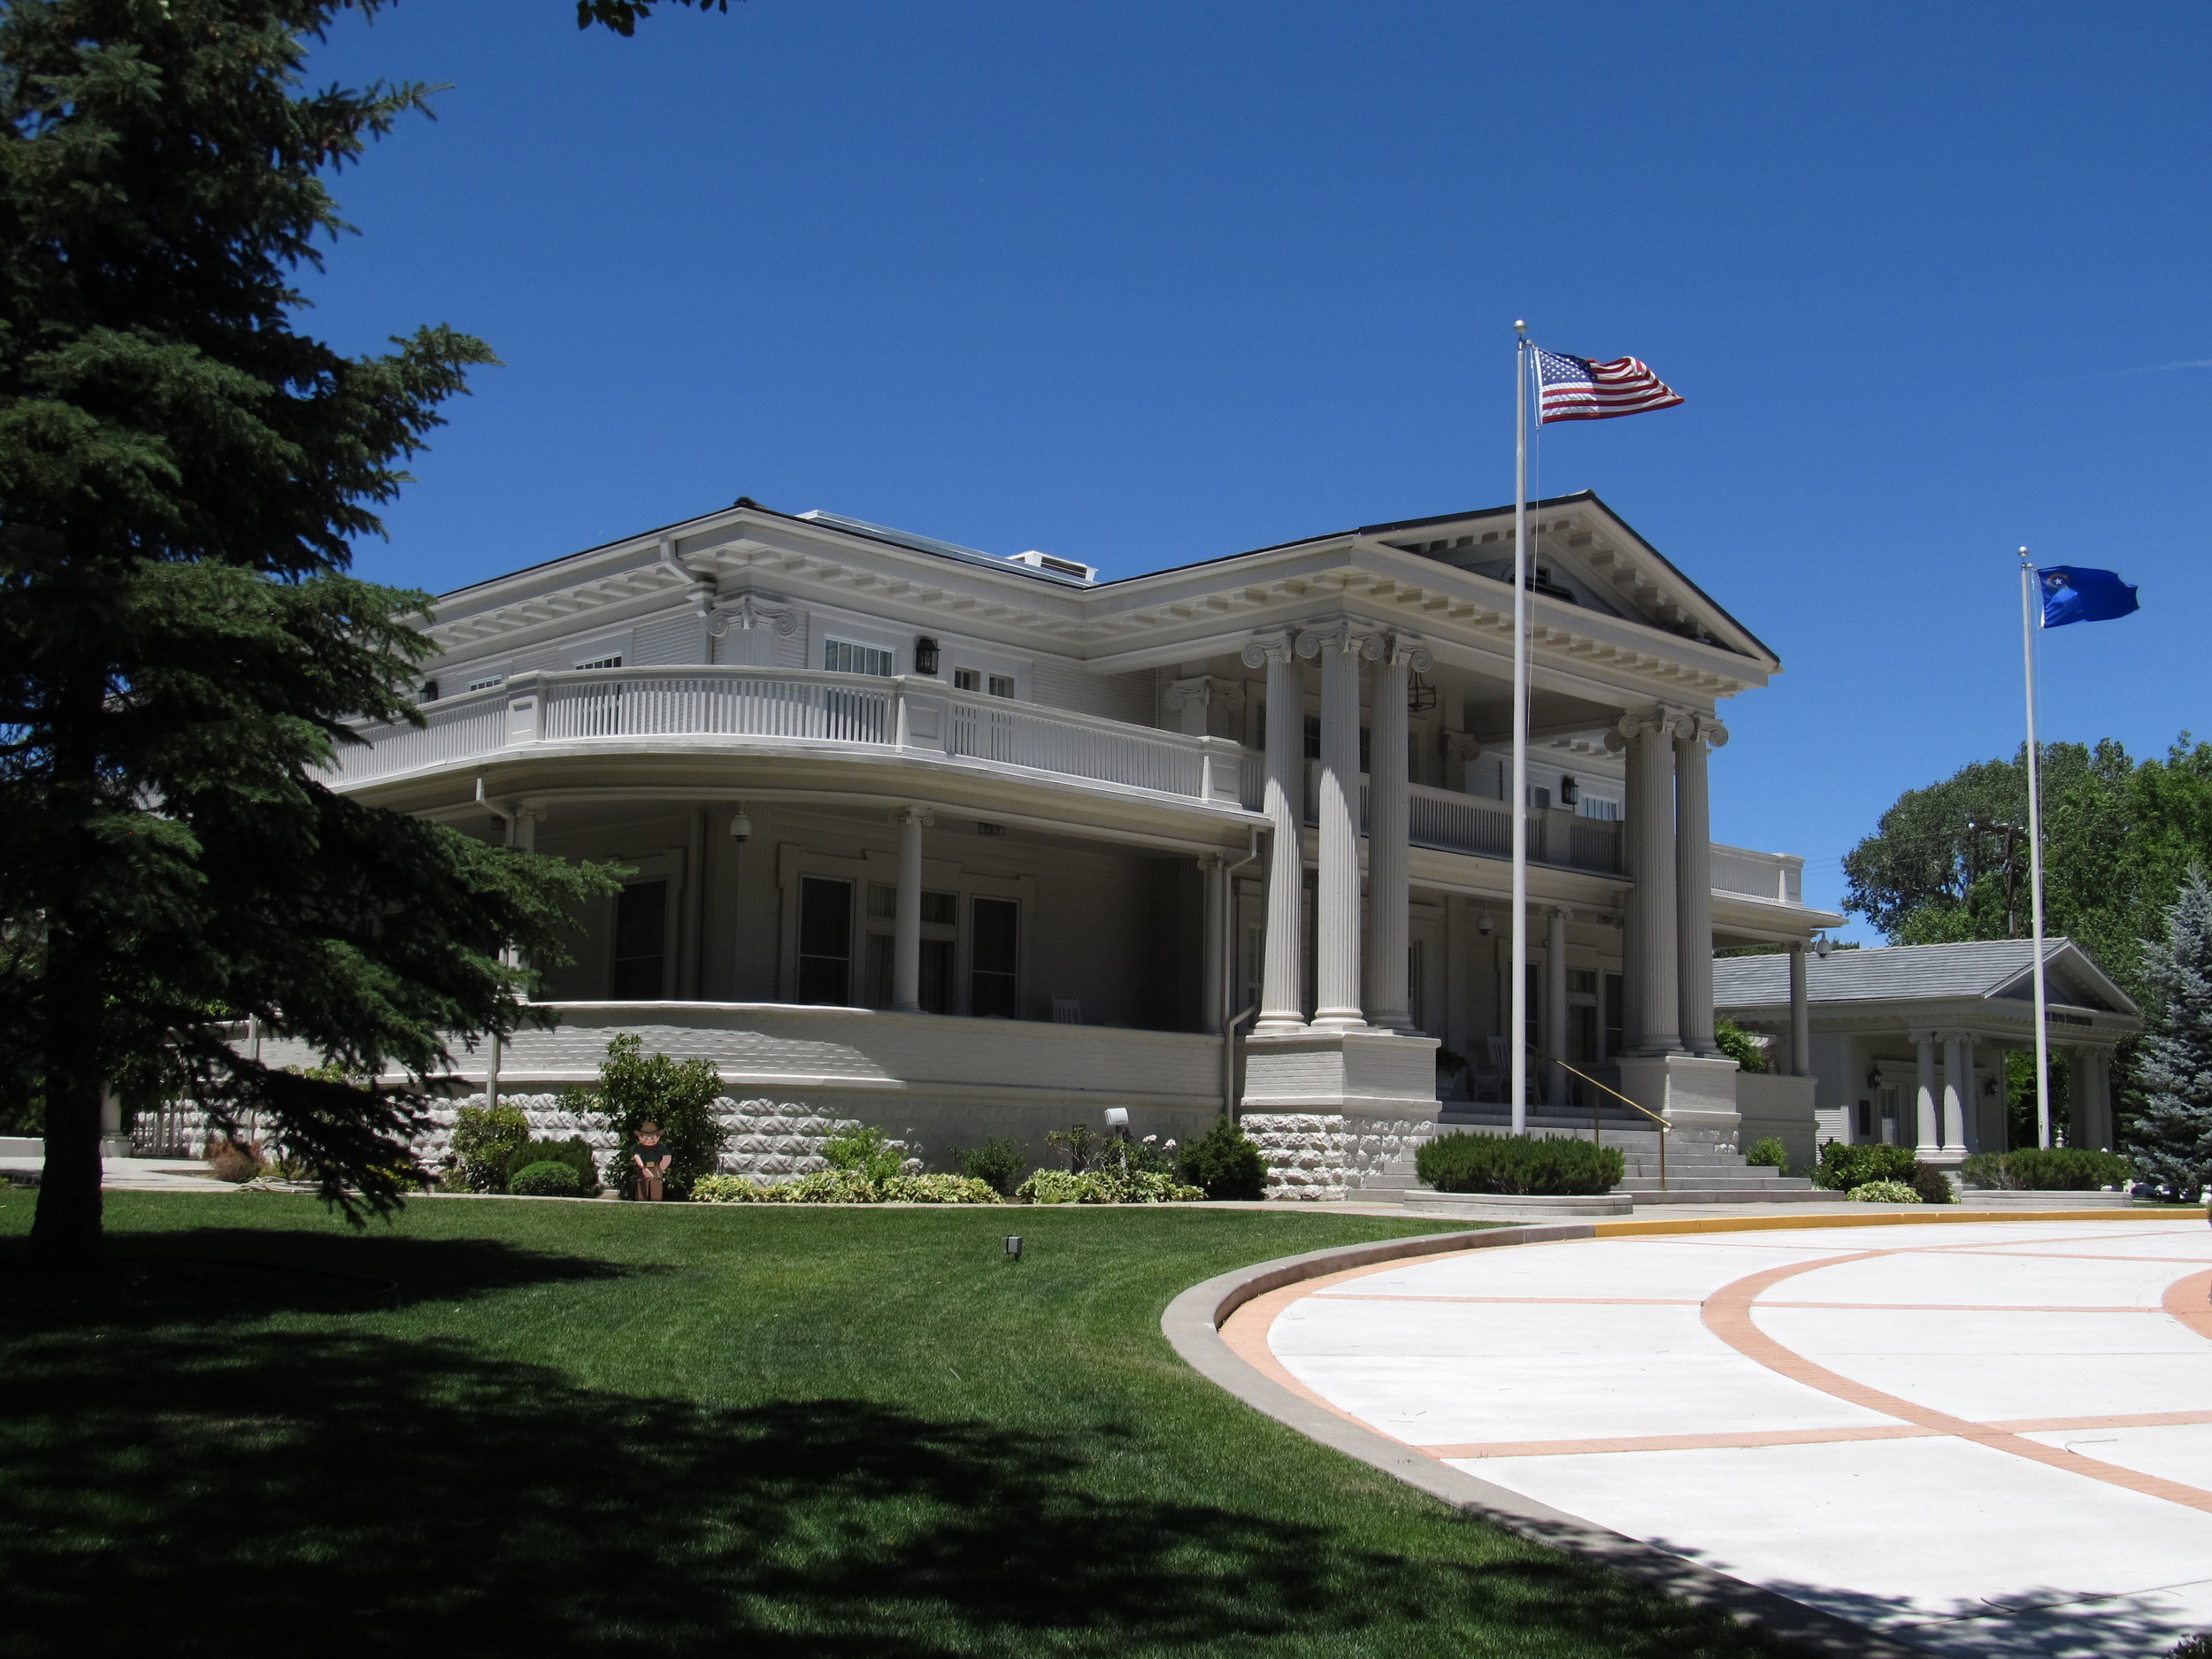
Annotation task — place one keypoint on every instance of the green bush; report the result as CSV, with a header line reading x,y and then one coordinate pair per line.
x,y
1768,1152
550,1179
573,1152
1883,1193
485,1142
2049,1170
1739,1045
939,1189
1103,1187
1844,1167
1225,1162
998,1163
865,1150
2192,1648
635,1089
1518,1164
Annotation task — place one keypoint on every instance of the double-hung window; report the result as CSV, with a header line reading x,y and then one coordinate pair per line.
x,y
846,657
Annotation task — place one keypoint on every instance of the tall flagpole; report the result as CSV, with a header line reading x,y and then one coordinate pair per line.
x,y
2035,856
1517,1037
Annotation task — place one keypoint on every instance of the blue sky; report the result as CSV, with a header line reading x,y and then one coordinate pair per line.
x,y
1143,283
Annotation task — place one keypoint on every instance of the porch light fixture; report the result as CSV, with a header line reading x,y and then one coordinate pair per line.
x,y
1874,1077
1420,694
925,654
1821,945
1482,923
740,826
1569,791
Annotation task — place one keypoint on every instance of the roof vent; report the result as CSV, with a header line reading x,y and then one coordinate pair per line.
x,y
1037,561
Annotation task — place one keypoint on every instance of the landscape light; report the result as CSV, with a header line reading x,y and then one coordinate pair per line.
x,y
1014,1247
1117,1117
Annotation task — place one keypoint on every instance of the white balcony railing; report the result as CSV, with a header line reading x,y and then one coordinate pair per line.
x,y
906,714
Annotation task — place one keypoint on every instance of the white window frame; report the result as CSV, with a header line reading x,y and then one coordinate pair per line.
x,y
833,644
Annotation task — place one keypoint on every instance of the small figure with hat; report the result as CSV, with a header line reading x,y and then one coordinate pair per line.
x,y
652,1160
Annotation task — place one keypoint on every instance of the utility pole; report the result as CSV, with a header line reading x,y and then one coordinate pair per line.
x,y
2011,834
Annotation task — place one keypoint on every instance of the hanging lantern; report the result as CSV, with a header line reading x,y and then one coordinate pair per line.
x,y
1420,694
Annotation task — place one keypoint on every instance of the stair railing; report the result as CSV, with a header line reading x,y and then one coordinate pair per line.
x,y
1665,1128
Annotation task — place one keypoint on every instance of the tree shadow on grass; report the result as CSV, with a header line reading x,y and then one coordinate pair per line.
x,y
194,1486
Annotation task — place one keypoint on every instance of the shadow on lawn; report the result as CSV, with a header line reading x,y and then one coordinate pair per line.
x,y
205,1486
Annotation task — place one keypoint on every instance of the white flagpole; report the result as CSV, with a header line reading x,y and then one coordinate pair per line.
x,y
2035,856
1517,1038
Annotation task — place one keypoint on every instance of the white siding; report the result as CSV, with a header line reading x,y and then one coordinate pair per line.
x,y
1057,684
679,636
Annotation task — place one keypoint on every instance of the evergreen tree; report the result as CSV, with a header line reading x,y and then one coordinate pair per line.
x,y
181,475
2172,1141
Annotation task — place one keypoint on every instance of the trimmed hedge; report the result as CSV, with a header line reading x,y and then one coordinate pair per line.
x,y
572,1152
550,1179
1844,1167
2049,1170
1769,1153
843,1186
1532,1164
1225,1163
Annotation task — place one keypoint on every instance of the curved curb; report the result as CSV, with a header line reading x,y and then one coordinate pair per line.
x,y
1192,1326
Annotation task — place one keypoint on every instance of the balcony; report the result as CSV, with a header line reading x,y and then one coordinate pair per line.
x,y
1778,878
766,711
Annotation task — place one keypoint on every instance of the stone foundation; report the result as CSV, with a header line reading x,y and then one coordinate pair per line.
x,y
1317,1156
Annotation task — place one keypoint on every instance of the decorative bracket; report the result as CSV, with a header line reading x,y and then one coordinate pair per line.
x,y
751,610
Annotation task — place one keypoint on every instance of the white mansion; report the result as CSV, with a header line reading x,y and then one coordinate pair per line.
x,y
967,846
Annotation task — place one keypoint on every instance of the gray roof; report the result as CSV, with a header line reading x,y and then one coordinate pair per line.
x,y
1891,973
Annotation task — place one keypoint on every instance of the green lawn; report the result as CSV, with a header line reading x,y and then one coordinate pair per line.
x,y
593,1429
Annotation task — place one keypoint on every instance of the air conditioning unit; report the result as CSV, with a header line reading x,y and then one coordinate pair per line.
x,y
1037,561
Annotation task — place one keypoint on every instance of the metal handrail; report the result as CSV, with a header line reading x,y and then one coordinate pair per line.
x,y
1665,1128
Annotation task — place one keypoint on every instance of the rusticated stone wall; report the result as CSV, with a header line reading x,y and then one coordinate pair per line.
x,y
1322,1156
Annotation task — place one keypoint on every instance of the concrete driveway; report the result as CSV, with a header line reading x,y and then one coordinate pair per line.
x,y
1983,1439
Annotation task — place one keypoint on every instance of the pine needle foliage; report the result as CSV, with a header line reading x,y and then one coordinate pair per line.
x,y
2172,1139
182,475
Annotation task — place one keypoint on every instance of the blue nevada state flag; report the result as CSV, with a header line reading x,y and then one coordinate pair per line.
x,y
2071,593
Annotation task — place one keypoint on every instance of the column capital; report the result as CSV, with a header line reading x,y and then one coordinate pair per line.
x,y
1407,650
1205,690
751,611
1461,745
1668,722
1920,1034
1348,637
1274,646
914,814
1699,728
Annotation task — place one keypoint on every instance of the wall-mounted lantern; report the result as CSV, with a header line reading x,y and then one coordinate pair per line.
x,y
1569,791
924,655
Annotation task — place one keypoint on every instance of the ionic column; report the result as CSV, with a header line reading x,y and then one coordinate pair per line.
x,y
1694,878
1649,963
1336,913
1213,999
1959,1135
906,937
1388,814
1801,1014
1282,1006
1555,1020
1930,1142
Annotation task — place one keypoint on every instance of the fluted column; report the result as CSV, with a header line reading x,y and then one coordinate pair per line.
x,y
1801,1014
1388,813
906,936
1213,998
1336,903
1930,1142
1693,733
1282,1005
1555,1020
1958,1094
1650,963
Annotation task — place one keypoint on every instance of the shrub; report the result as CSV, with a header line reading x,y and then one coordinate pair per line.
x,y
824,1186
550,1178
938,1189
998,1163
1103,1187
2192,1648
572,1152
1883,1193
1768,1152
635,1089
1084,1147
1843,1167
1739,1045
235,1163
2049,1170
1517,1163
1225,1163
866,1151
484,1140
1932,1185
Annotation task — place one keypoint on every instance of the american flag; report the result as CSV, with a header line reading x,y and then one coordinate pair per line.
x,y
1576,388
